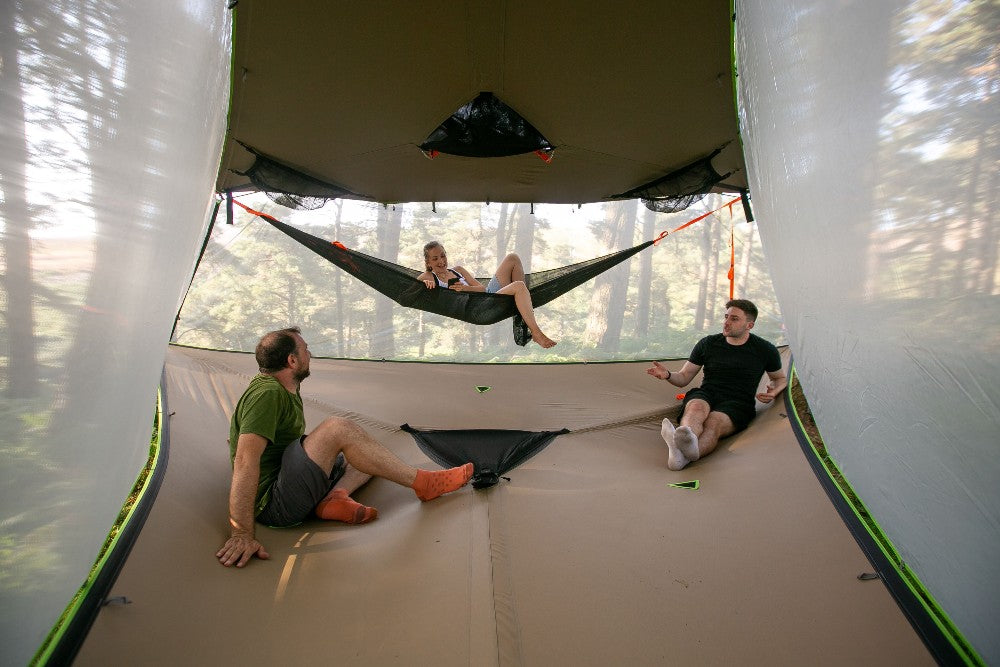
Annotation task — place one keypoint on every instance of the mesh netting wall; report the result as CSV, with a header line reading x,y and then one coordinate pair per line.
x,y
656,304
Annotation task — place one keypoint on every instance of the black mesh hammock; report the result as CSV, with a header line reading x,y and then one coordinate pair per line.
x,y
680,188
400,283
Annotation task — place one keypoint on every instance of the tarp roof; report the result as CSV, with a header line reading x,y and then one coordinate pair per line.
x,y
626,94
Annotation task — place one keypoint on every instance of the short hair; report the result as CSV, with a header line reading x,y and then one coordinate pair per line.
x,y
274,347
746,306
430,245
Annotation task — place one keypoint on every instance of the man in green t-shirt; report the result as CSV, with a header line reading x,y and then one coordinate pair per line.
x,y
734,362
281,476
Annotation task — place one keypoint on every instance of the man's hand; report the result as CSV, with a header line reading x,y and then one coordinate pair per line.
x,y
766,396
658,370
774,387
239,549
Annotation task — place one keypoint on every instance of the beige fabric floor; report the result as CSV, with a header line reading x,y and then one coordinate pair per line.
x,y
587,556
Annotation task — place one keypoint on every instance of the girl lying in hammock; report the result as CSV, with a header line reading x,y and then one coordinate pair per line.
x,y
508,279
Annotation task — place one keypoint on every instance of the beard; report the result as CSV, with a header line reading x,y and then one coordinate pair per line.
x,y
301,375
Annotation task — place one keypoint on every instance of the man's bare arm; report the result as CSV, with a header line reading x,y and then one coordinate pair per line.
x,y
242,545
680,378
777,383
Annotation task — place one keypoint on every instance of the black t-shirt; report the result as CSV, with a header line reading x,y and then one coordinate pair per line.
x,y
733,372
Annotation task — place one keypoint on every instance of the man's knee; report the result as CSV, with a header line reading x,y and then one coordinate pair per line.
x,y
325,442
720,424
333,432
697,409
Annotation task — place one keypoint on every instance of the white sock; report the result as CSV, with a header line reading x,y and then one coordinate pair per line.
x,y
675,460
667,432
687,442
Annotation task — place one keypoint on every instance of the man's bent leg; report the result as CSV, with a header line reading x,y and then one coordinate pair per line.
x,y
686,446
430,484
364,453
368,456
695,412
301,483
717,426
352,480
338,504
688,435
675,459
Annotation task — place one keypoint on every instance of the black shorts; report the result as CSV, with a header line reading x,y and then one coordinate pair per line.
x,y
301,484
739,412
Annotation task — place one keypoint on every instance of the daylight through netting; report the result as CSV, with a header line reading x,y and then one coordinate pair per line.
x,y
655,303
400,283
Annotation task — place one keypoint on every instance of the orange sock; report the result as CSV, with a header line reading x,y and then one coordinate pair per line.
x,y
338,506
433,483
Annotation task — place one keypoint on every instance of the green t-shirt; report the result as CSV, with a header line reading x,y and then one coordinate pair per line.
x,y
269,410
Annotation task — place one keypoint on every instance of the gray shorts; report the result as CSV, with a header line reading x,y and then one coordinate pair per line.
x,y
493,286
301,484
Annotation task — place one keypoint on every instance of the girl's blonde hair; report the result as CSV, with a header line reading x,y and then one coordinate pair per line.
x,y
430,245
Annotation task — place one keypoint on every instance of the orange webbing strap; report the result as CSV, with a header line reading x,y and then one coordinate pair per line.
x,y
698,219
259,214
732,259
732,247
346,259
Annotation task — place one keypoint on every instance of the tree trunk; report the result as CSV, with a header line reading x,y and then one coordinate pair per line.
x,y
712,283
389,224
338,282
422,335
525,237
990,240
743,283
103,91
503,230
705,245
619,278
607,304
644,305
18,283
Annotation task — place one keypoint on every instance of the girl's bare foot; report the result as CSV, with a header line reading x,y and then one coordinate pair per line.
x,y
542,339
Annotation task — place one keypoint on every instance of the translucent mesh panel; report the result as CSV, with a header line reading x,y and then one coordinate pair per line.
x,y
672,204
656,304
881,224
101,222
291,188
679,189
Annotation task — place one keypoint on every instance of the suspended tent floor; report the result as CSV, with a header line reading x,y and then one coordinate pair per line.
x,y
587,555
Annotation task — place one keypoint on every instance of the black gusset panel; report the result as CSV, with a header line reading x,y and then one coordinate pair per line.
x,y
492,451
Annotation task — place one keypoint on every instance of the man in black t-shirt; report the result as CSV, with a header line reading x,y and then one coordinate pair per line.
x,y
734,362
